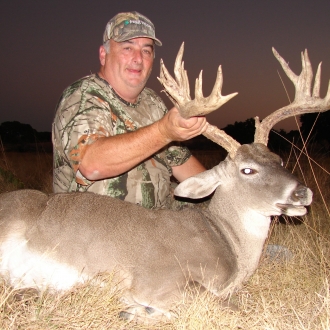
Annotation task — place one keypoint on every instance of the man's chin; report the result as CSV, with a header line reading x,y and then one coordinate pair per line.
x,y
136,83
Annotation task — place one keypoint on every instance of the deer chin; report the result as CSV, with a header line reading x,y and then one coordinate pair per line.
x,y
292,210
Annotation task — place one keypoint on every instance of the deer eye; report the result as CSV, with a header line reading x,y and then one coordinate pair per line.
x,y
248,171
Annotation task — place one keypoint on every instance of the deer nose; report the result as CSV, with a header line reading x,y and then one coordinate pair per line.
x,y
302,194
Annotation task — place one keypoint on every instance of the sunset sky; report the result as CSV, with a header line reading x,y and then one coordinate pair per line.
x,y
47,45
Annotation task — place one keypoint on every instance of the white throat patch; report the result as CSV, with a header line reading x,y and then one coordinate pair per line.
x,y
256,224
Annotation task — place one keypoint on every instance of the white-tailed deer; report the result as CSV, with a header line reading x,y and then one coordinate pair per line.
x,y
60,240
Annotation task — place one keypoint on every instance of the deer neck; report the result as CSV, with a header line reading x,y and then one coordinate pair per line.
x,y
245,230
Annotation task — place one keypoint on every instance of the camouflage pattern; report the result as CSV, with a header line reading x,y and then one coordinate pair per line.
x,y
89,110
125,26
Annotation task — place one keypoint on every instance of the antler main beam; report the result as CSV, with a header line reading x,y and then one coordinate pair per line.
x,y
178,92
307,97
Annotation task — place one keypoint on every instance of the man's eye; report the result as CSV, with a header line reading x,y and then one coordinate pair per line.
x,y
147,52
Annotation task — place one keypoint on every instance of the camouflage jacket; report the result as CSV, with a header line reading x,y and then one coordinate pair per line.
x,y
88,110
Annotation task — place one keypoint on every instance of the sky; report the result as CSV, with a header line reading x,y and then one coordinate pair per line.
x,y
47,45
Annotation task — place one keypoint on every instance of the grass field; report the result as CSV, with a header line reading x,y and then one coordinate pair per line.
x,y
282,294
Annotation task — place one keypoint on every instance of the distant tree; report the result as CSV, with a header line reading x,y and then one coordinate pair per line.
x,y
22,137
241,131
200,143
279,140
44,136
16,132
317,127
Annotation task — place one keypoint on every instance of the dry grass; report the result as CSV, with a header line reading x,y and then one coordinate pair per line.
x,y
29,170
291,294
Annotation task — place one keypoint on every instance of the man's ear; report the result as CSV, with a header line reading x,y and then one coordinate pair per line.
x,y
102,54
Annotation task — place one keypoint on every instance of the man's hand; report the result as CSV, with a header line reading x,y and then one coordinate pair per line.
x,y
176,128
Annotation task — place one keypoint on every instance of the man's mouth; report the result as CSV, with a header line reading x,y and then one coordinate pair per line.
x,y
134,71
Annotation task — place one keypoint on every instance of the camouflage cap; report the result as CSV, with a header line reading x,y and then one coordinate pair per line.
x,y
125,26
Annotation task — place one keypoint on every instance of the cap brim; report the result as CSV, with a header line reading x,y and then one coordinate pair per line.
x,y
136,35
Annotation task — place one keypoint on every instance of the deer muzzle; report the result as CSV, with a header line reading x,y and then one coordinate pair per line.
x,y
300,197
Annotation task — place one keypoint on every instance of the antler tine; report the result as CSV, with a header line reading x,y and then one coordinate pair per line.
x,y
179,93
306,100
166,78
180,73
177,89
317,83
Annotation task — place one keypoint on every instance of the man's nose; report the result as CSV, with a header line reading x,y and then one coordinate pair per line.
x,y
137,56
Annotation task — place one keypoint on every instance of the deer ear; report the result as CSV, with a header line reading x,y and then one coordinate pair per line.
x,y
199,186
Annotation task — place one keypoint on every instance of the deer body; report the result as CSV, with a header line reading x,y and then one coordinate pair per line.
x,y
60,240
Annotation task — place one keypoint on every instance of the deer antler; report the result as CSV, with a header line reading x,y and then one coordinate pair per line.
x,y
304,102
178,92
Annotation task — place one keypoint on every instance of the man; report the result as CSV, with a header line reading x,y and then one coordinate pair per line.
x,y
114,136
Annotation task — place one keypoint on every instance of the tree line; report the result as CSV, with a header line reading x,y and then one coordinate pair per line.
x,y
22,137
315,128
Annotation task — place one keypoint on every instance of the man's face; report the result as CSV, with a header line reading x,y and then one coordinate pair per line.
x,y
128,64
